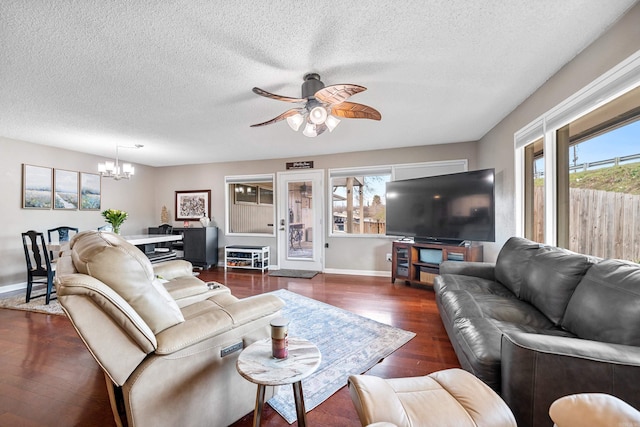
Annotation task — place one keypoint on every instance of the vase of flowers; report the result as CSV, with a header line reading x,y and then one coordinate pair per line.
x,y
115,217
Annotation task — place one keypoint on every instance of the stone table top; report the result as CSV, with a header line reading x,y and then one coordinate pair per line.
x,y
257,365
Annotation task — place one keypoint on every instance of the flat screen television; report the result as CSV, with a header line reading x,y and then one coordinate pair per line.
x,y
446,208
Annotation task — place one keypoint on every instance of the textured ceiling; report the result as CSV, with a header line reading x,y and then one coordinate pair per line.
x,y
176,76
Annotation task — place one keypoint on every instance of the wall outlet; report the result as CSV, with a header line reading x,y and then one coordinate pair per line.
x,y
389,257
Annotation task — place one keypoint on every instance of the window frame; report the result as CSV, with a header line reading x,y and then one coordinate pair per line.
x,y
255,180
616,82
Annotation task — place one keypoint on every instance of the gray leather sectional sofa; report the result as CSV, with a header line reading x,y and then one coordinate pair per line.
x,y
543,322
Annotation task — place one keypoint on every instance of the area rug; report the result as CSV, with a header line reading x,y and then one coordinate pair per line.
x,y
36,304
298,274
349,344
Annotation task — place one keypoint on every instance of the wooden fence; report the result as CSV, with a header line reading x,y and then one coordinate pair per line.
x,y
602,223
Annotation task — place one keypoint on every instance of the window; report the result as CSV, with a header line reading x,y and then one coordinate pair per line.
x,y
255,193
534,191
584,154
245,193
250,209
265,195
599,180
357,201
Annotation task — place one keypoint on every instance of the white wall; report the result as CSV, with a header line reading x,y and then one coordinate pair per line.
x,y
132,196
365,254
152,188
496,149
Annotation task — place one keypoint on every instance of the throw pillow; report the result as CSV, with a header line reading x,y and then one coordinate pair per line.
x,y
512,261
550,279
606,304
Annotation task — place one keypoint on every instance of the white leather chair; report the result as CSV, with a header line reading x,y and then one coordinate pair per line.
x,y
593,410
452,397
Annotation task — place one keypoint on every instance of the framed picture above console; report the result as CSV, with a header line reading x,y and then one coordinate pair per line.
x,y
193,205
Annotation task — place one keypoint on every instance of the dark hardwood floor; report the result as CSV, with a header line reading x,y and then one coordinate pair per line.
x,y
48,378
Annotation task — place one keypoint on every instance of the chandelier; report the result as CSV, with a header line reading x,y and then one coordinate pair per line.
x,y
116,171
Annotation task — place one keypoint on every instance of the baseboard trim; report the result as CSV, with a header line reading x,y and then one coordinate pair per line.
x,y
374,273
12,288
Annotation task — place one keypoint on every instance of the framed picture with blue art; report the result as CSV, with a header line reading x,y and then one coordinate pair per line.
x,y
89,191
37,187
65,194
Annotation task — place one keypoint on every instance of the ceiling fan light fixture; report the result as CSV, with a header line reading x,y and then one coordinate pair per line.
x,y
295,121
320,106
318,115
331,122
310,130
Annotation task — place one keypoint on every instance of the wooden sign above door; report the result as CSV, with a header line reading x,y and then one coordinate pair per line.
x,y
300,165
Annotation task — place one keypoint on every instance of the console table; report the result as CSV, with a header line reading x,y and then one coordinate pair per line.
x,y
199,244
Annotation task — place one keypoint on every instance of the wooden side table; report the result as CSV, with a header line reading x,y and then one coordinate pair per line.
x,y
257,365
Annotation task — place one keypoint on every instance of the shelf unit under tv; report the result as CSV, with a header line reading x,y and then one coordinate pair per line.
x,y
419,262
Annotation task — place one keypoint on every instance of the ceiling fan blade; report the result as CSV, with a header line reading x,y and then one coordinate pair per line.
x,y
264,93
336,94
282,116
351,110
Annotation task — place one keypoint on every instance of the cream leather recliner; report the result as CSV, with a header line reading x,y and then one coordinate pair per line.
x,y
166,363
447,398
593,410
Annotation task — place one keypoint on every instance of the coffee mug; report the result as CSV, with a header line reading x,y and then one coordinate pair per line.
x,y
280,338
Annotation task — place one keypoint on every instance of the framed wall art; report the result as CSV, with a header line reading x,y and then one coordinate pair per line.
x,y
65,194
193,205
90,197
37,188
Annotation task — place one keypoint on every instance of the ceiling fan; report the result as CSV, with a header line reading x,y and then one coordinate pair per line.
x,y
321,106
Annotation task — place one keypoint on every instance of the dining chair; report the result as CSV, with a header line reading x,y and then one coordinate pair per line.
x,y
106,227
39,267
64,235
167,229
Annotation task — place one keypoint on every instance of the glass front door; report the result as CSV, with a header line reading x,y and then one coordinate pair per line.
x,y
300,222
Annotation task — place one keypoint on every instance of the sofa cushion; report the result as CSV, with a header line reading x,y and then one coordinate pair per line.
x,y
512,261
606,304
474,285
125,269
550,279
463,304
480,341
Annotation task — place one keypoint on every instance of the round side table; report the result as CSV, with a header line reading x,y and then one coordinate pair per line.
x,y
257,365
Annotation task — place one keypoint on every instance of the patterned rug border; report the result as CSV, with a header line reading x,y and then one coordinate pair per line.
x,y
341,356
